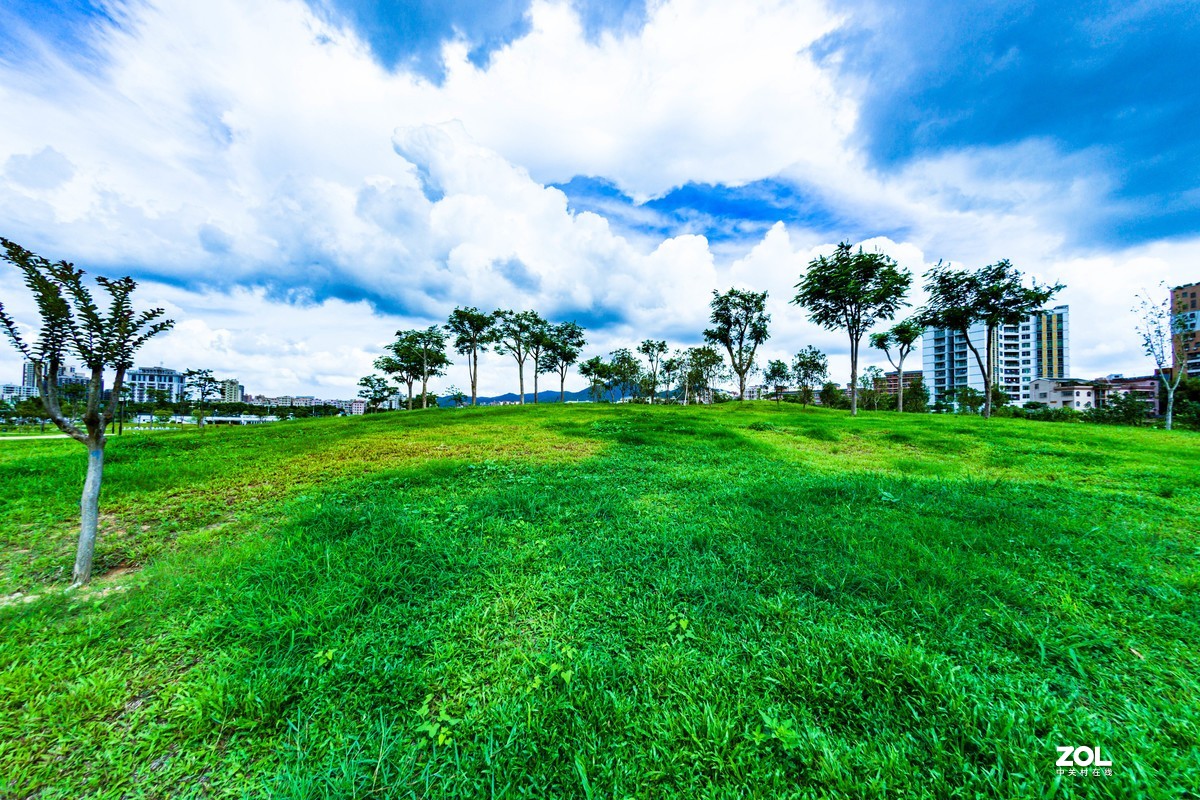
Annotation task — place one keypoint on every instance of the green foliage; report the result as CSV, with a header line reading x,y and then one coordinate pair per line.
x,y
810,368
851,291
777,376
788,603
740,324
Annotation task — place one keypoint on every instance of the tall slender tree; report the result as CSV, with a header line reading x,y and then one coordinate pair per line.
x,y
598,374
991,296
566,340
852,290
539,343
903,338
200,385
653,350
776,376
740,324
625,371
473,331
514,332
705,367
430,345
72,322
1161,329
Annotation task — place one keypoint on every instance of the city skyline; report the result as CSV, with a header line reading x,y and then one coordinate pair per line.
x,y
293,201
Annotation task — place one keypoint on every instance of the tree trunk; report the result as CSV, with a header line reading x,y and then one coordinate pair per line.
x,y
474,367
853,377
521,381
900,389
742,386
1170,407
987,378
562,387
89,507
424,391
987,386
535,380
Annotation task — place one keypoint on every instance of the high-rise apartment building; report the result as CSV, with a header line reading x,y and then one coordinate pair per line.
x,y
141,380
1184,301
232,391
1038,347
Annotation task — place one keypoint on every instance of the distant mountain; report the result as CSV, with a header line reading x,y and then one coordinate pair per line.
x,y
546,396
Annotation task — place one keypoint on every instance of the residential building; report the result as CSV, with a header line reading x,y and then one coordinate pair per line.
x,y
66,375
1184,301
1037,347
1063,393
12,393
232,391
891,380
142,380
1146,387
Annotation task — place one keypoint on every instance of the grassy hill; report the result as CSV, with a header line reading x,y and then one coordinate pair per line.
x,y
606,602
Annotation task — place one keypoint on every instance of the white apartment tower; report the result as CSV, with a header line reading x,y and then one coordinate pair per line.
x,y
1039,347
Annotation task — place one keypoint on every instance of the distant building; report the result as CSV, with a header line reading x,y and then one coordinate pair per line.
x,y
143,379
12,393
1146,387
358,407
66,375
891,380
1065,393
1184,300
1038,347
232,391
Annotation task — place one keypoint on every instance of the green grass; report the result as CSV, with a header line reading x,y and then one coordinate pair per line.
x,y
607,602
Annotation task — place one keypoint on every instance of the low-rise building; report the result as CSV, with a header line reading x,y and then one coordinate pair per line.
x,y
143,380
1063,393
1145,387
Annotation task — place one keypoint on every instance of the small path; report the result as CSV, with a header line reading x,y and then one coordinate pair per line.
x,y
39,436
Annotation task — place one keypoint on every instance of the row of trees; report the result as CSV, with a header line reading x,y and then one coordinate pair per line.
x,y
418,355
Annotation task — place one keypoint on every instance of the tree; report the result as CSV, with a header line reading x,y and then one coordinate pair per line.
x,y
375,390
566,340
704,368
851,291
653,351
625,372
916,399
670,368
430,347
869,386
810,369
598,374
993,296
903,337
777,377
456,396
403,365
740,322
472,331
832,396
72,322
515,333
1161,329
200,385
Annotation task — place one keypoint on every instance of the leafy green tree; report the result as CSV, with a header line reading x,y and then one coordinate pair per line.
x,y
516,333
375,390
993,296
72,322
832,396
903,337
777,377
653,350
201,386
430,346
870,386
670,369
810,368
1161,329
969,400
540,343
625,372
566,341
598,374
852,291
740,324
916,398
457,396
705,367
473,331
403,364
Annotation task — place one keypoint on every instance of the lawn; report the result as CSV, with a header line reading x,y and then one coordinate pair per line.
x,y
606,602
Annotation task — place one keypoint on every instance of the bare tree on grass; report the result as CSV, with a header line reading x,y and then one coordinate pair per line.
x,y
72,322
1161,329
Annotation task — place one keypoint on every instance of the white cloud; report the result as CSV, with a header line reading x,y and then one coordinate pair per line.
x,y
203,153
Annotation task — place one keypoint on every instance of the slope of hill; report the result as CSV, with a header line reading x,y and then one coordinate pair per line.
x,y
606,601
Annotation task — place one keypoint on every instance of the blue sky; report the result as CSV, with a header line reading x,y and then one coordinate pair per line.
x,y
296,195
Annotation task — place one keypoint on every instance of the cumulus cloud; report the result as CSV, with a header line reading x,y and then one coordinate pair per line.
x,y
295,202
